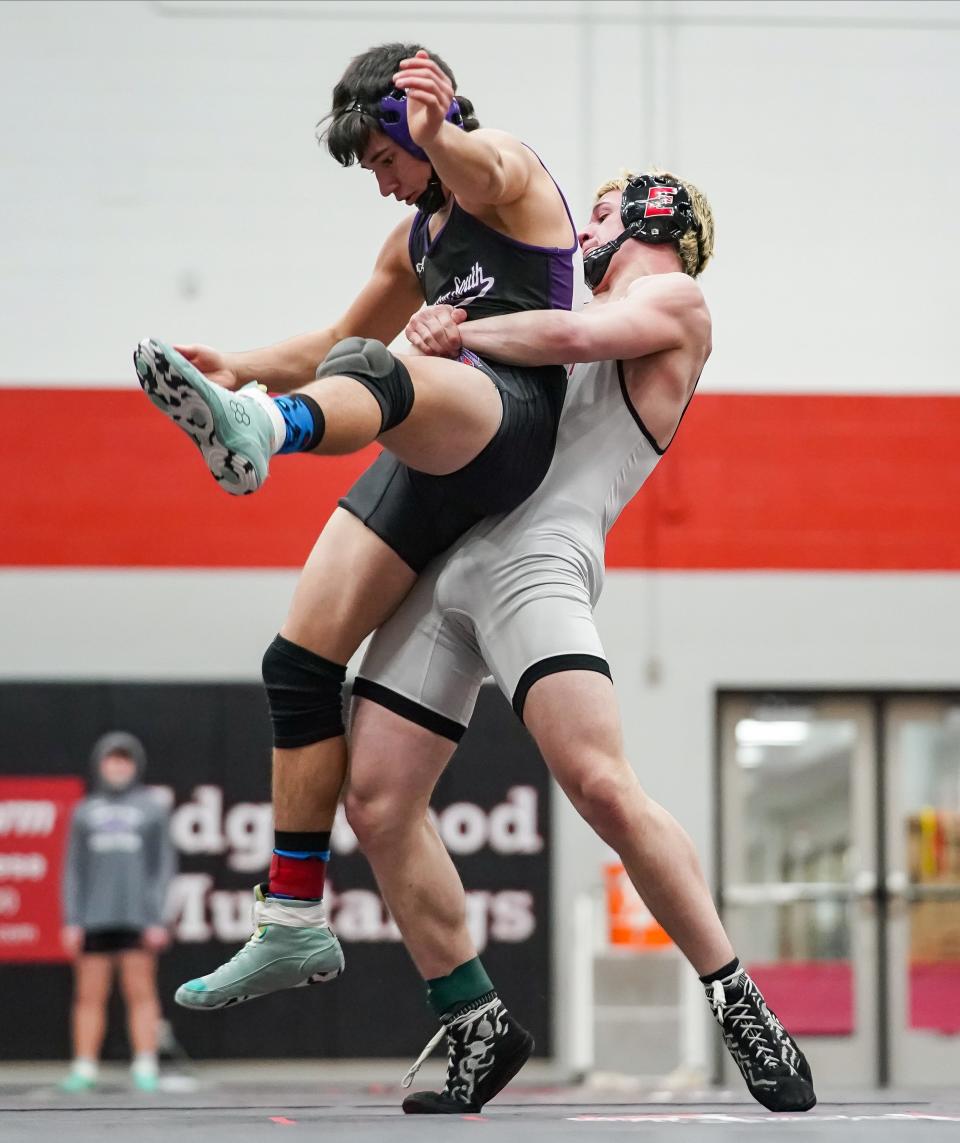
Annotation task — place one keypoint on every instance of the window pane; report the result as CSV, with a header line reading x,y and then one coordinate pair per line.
x,y
930,753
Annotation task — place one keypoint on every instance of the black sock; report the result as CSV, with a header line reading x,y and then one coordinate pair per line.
x,y
722,973
288,841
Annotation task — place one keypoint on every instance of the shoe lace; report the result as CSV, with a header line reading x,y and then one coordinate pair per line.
x,y
473,1014
744,1023
259,931
254,939
421,1059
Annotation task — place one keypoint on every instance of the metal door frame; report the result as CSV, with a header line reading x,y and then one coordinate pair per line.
x,y
855,1052
916,1057
880,701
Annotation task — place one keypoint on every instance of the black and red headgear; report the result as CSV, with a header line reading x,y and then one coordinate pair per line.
x,y
653,208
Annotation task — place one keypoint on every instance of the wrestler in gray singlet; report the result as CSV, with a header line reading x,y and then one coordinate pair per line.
x,y
517,594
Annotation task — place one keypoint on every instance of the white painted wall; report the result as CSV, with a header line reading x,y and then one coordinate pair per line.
x,y
159,172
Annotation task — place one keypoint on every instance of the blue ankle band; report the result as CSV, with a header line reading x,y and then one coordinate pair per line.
x,y
300,855
303,422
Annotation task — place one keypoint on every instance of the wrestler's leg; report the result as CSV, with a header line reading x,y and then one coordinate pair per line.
x,y
394,767
351,583
574,718
437,420
435,415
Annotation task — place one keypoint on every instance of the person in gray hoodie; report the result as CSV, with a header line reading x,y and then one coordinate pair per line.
x,y
118,866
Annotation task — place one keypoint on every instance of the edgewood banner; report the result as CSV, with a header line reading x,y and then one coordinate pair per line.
x,y
34,823
208,747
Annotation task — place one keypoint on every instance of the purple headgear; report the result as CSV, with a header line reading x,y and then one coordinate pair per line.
x,y
393,121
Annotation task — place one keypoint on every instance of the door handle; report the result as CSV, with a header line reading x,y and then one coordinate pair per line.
x,y
787,892
864,884
898,884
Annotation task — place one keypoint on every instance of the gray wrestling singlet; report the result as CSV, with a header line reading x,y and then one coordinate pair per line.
x,y
517,593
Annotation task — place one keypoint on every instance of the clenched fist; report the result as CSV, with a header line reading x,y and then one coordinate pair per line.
x,y
429,95
435,331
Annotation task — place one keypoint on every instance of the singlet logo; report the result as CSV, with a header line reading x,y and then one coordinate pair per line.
x,y
468,289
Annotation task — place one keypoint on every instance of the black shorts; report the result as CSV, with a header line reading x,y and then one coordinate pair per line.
x,y
112,940
420,516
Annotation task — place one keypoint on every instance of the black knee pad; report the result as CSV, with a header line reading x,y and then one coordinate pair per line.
x,y
304,692
377,370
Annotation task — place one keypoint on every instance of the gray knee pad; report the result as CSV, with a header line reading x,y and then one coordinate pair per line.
x,y
304,692
377,370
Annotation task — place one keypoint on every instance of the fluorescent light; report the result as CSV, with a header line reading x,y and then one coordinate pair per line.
x,y
749,756
753,732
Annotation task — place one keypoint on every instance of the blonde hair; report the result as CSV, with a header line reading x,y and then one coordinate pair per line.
x,y
696,246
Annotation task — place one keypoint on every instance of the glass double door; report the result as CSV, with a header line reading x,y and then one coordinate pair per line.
x,y
840,876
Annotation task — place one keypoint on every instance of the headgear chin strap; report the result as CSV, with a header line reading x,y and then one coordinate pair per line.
x,y
433,197
653,209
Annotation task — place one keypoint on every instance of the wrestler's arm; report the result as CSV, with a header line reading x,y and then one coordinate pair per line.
x,y
646,321
380,311
482,167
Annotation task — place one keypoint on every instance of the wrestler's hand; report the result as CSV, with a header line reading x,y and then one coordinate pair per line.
x,y
435,331
155,938
71,937
213,364
429,95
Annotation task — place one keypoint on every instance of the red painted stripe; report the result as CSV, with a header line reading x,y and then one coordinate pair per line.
x,y
97,478
802,482
101,479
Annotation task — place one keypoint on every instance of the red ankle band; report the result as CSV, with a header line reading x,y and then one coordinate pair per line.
x,y
302,878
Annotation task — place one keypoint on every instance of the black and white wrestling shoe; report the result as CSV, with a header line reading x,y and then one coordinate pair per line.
x,y
486,1048
776,1071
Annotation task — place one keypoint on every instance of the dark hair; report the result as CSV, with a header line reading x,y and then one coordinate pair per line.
x,y
356,100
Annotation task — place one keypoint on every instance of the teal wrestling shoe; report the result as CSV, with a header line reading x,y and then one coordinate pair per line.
x,y
237,433
292,946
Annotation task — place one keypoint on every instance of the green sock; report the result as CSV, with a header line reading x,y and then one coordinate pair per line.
x,y
467,982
